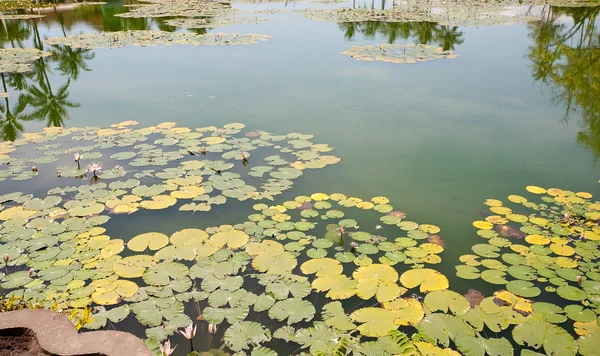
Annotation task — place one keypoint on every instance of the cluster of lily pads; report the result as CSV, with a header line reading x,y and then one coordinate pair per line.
x,y
153,38
214,22
398,53
18,60
20,16
453,15
554,247
180,8
330,274
162,164
323,282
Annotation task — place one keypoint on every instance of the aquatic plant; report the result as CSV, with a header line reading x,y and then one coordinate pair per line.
x,y
181,8
456,14
551,248
214,22
153,38
398,53
18,60
20,16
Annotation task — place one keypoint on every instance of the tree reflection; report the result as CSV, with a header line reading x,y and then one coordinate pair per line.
x,y
50,105
446,37
10,118
566,58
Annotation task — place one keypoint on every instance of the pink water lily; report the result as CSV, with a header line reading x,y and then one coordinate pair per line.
x,y
94,167
353,244
189,332
203,150
245,155
166,348
377,227
77,157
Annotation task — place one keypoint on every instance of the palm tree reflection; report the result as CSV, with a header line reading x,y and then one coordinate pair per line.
x,y
10,118
446,37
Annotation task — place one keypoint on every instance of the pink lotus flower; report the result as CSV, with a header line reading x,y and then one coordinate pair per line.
x,y
203,150
189,332
166,349
77,157
6,258
353,244
94,167
31,272
341,229
245,155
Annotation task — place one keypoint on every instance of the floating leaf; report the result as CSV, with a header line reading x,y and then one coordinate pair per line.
x,y
152,240
374,321
447,300
443,328
428,279
540,334
294,310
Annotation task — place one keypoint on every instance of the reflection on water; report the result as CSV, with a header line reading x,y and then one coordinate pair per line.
x,y
430,33
565,56
37,97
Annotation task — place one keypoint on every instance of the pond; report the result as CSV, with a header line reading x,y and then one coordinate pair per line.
x,y
305,177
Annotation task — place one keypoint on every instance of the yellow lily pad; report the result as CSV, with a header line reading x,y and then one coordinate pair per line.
x,y
483,225
152,240
428,279
535,189
234,239
158,202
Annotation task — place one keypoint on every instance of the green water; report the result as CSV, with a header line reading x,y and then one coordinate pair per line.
x,y
437,138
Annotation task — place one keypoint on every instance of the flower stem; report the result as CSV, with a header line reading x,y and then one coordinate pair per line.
x,y
192,345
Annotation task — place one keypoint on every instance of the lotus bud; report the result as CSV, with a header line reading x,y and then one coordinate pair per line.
x,y
31,273
77,157
582,235
579,280
212,328
353,245
203,150
377,227
6,258
34,169
245,155
341,230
